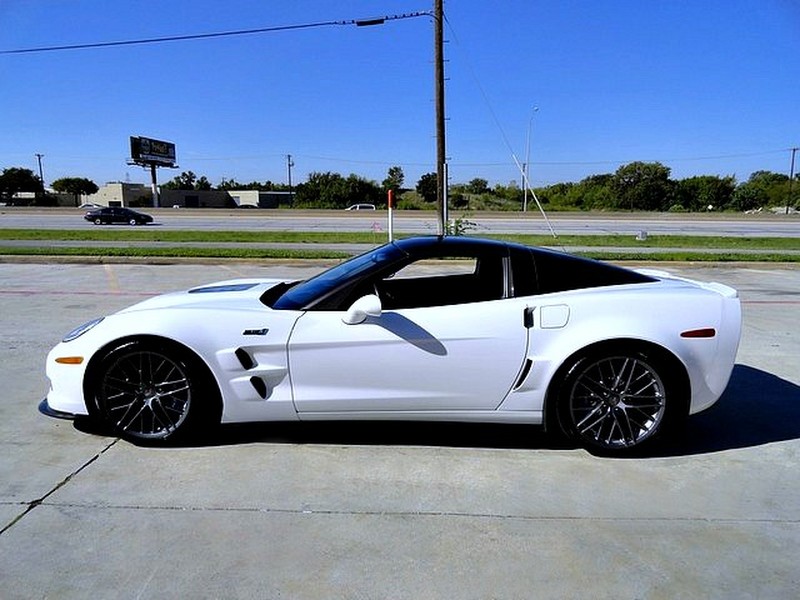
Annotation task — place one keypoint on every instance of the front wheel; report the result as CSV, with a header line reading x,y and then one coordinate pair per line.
x,y
149,392
617,401
133,222
98,221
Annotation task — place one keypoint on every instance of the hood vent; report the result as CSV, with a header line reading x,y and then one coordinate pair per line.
x,y
232,287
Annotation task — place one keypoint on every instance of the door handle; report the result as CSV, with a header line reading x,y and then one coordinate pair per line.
x,y
527,318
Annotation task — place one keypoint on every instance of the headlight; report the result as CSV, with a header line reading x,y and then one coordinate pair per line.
x,y
79,331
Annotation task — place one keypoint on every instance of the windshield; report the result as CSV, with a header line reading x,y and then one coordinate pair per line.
x,y
311,290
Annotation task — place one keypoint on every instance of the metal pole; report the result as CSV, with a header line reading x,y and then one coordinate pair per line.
x,y
441,182
153,184
41,174
791,181
289,165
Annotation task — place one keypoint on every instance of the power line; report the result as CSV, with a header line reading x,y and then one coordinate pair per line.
x,y
219,34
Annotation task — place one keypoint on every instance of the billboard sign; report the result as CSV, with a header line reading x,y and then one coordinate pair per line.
x,y
147,151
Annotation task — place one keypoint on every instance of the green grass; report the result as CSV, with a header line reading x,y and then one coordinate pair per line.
x,y
154,235
625,247
657,241
689,256
331,237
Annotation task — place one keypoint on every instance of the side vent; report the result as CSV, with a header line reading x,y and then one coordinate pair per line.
x,y
245,359
259,386
522,376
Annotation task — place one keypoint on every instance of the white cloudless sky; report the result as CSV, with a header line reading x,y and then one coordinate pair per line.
x,y
705,87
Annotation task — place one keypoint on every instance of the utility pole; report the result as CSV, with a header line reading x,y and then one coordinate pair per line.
x,y
289,165
41,174
441,175
791,181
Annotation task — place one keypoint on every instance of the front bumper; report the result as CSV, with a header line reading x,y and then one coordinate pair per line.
x,y
46,409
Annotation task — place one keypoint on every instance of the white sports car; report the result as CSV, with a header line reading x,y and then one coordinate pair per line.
x,y
427,328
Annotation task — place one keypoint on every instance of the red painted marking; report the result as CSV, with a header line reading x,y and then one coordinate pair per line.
x,y
76,293
789,302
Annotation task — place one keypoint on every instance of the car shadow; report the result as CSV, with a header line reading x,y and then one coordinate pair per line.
x,y
757,408
390,433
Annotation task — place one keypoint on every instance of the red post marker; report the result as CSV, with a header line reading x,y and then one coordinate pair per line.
x,y
390,205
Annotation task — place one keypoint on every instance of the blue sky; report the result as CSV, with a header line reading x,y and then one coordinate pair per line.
x,y
705,87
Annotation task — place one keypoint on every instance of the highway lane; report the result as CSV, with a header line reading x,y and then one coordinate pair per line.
x,y
424,222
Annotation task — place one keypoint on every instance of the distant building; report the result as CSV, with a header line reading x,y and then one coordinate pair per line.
x,y
259,199
117,193
224,199
196,199
29,198
139,195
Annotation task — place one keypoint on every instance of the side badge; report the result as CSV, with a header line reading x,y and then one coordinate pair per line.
x,y
263,331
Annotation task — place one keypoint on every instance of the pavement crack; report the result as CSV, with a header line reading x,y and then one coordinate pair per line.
x,y
38,501
426,514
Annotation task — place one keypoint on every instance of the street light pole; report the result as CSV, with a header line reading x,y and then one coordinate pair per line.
x,y
41,174
289,165
526,166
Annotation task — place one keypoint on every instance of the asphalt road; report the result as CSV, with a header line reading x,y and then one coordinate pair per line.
x,y
425,222
393,510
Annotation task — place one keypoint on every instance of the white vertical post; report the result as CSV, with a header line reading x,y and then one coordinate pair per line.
x,y
446,199
390,202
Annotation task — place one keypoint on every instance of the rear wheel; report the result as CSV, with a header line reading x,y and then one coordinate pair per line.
x,y
133,222
150,392
618,400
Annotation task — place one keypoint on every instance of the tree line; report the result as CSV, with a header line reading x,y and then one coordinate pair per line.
x,y
648,187
636,186
16,180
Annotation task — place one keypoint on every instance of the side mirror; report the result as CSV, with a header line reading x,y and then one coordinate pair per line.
x,y
366,306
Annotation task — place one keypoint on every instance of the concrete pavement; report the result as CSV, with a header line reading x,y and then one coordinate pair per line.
x,y
393,510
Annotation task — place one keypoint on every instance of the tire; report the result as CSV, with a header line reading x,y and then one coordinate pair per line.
x,y
133,222
98,221
618,400
149,392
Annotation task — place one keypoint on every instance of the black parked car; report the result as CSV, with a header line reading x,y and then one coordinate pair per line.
x,y
114,214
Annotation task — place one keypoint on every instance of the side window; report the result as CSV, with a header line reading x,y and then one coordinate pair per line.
x,y
562,272
443,281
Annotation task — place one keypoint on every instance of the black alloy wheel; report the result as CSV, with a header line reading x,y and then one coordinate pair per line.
x,y
616,402
148,392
